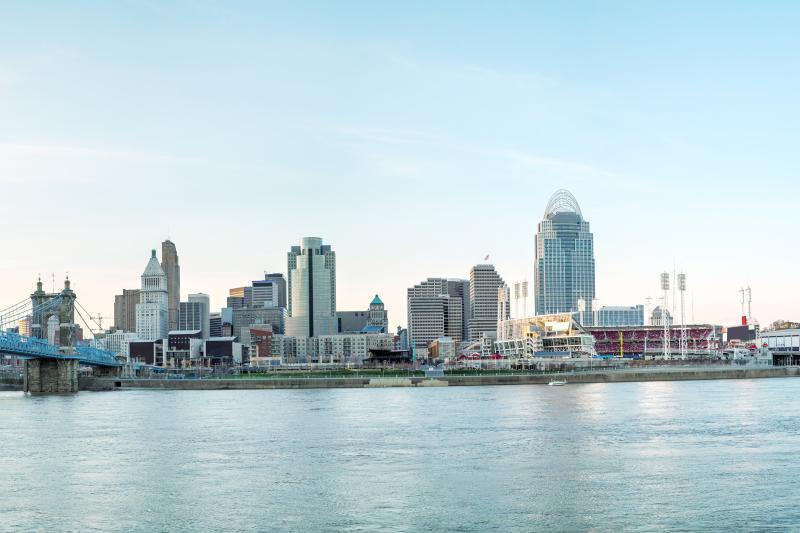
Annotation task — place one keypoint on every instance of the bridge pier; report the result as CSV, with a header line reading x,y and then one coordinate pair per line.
x,y
47,376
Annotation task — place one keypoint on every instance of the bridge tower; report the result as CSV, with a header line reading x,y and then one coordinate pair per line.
x,y
63,307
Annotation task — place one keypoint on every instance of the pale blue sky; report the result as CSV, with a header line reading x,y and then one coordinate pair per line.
x,y
415,138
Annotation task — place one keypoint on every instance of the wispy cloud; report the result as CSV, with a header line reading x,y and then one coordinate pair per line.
x,y
399,164
24,163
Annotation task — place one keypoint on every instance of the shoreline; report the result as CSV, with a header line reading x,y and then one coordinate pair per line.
x,y
364,382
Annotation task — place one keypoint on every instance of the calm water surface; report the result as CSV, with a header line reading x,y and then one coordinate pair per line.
x,y
702,455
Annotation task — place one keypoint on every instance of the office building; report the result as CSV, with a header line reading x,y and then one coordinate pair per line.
x,y
239,297
125,310
311,289
374,319
564,268
194,314
169,263
484,282
215,325
269,292
243,318
25,326
279,283
618,316
435,309
118,342
459,288
351,321
151,311
378,320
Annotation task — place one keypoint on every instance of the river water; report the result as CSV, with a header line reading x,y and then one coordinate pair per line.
x,y
692,455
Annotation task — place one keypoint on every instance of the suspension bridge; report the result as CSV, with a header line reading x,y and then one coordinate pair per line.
x,y
45,339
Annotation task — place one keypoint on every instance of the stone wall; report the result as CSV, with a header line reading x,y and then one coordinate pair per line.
x,y
47,376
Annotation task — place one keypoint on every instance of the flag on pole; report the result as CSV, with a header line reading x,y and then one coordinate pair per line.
x,y
486,258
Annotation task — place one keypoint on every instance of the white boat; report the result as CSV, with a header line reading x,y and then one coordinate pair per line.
x,y
557,382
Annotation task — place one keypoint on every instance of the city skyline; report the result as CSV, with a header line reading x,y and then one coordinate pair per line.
x,y
674,138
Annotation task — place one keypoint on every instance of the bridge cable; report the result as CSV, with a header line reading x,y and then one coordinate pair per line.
x,y
85,323
99,327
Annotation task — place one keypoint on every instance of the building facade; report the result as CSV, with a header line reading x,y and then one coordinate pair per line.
x,y
194,314
118,342
617,316
169,263
374,320
265,293
125,310
435,309
215,325
243,318
378,320
279,284
484,283
152,319
564,271
312,289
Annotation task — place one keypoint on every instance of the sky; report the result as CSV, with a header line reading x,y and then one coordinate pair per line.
x,y
414,137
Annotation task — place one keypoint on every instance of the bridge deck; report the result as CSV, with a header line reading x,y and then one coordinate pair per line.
x,y
33,348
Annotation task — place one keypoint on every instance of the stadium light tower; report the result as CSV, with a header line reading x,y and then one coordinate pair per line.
x,y
682,289
525,297
665,290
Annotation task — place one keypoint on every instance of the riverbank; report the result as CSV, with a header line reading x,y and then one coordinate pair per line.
x,y
324,382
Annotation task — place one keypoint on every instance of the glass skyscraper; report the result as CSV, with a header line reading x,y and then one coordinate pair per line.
x,y
564,270
312,289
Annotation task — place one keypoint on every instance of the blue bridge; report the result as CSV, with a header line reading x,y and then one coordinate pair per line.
x,y
33,348
50,365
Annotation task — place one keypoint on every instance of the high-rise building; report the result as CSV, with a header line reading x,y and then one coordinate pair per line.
x,y
125,310
194,315
169,263
265,293
484,282
378,316
215,325
279,282
151,312
564,269
433,311
311,289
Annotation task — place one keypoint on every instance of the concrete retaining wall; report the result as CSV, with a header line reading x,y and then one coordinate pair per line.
x,y
378,382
